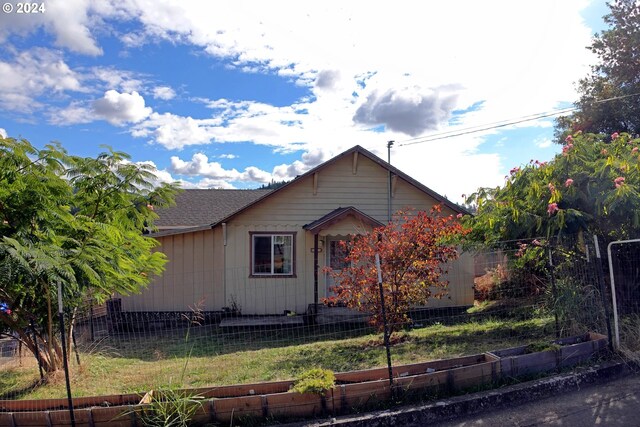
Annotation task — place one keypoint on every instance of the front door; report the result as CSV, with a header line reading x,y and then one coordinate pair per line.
x,y
336,255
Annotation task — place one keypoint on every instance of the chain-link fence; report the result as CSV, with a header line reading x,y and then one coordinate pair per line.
x,y
524,292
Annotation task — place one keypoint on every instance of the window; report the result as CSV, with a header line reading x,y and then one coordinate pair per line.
x,y
338,253
272,254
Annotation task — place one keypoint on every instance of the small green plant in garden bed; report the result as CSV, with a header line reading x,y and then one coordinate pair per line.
x,y
541,346
315,380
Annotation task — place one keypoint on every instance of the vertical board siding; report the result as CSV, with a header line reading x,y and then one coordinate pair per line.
x,y
188,281
201,268
293,207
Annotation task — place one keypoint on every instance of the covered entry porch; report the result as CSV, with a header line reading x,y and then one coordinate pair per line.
x,y
327,232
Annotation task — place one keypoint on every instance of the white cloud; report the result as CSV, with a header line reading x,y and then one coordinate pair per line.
x,y
382,77
31,74
227,156
310,159
67,20
122,80
290,171
3,133
176,132
74,113
543,143
73,33
165,176
496,52
120,108
163,92
231,122
199,165
39,77
297,44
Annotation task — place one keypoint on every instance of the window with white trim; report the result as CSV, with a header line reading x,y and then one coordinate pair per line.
x,y
272,254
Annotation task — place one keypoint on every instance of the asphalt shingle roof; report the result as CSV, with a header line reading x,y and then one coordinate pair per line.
x,y
196,207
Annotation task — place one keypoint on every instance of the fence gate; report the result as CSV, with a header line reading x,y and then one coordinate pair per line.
x,y
624,275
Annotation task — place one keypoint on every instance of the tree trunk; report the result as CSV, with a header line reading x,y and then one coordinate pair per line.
x,y
48,359
70,334
53,348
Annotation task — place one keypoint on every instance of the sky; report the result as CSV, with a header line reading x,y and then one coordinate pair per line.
x,y
237,94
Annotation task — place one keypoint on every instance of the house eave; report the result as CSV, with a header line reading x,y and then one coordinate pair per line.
x,y
176,231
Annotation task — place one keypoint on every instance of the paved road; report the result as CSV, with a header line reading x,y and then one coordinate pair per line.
x,y
615,403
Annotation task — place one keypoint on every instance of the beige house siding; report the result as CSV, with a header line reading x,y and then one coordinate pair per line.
x,y
190,279
460,290
336,186
203,268
296,205
258,295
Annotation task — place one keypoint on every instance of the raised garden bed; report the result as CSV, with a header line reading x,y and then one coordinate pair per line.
x,y
355,389
522,361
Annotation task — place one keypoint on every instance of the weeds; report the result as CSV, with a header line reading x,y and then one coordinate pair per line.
x,y
630,337
196,363
576,305
170,407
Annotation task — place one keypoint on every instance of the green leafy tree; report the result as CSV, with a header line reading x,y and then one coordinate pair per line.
x,y
413,251
73,221
593,185
616,75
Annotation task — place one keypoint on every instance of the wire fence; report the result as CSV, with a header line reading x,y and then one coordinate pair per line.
x,y
524,292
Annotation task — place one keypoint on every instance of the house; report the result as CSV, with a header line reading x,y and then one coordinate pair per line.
x,y
264,251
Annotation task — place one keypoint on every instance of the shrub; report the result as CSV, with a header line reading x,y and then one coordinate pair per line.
x,y
315,380
485,286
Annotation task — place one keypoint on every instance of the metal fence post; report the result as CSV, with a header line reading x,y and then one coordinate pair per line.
x,y
554,292
600,274
65,363
385,324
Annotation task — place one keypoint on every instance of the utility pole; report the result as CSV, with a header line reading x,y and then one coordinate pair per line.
x,y
389,145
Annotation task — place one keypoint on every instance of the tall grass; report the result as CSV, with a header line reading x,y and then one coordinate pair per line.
x,y
630,337
143,364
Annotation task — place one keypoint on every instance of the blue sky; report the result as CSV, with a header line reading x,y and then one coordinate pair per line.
x,y
235,94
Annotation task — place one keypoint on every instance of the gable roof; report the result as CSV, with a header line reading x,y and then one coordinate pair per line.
x,y
196,207
338,215
446,202
253,197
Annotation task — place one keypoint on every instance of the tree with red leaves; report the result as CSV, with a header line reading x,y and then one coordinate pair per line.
x,y
413,249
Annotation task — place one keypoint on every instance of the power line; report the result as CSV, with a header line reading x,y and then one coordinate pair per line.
x,y
498,123
467,131
502,123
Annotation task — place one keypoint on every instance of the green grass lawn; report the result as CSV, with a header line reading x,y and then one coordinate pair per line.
x,y
211,359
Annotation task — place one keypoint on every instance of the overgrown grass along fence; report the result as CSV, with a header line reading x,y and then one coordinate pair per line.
x,y
135,365
558,291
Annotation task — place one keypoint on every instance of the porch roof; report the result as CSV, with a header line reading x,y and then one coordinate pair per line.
x,y
337,215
